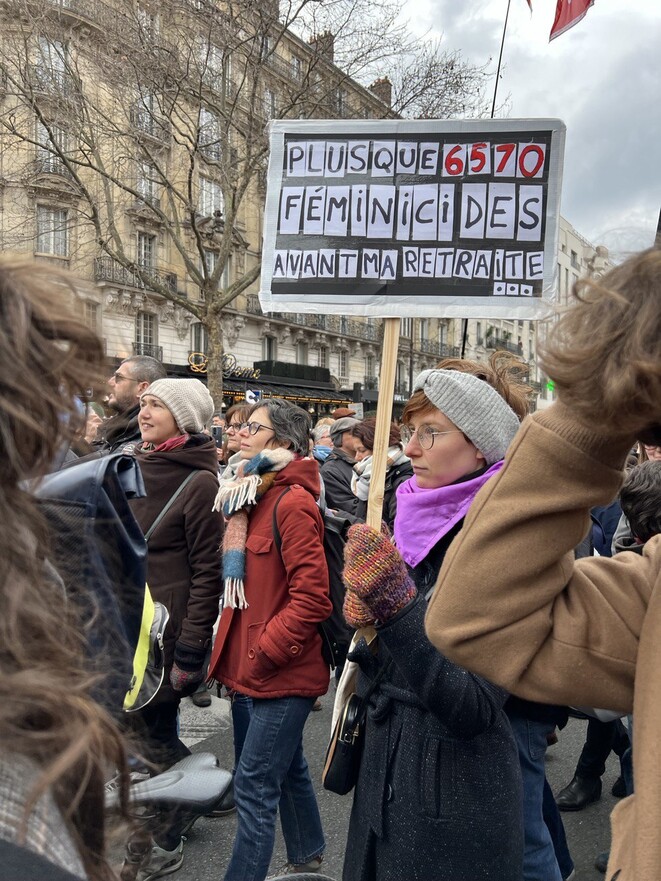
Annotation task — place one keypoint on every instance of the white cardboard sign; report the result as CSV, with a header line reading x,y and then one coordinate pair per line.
x,y
424,218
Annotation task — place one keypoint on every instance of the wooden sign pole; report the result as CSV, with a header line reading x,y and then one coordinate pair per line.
x,y
383,420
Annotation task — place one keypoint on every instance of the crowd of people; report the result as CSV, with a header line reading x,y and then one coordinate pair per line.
x,y
511,584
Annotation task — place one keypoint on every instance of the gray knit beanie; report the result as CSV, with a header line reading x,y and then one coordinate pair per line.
x,y
188,400
474,406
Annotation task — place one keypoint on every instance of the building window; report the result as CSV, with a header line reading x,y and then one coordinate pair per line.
x,y
146,250
209,140
146,334
443,334
344,364
199,337
211,197
148,22
424,329
270,103
574,260
302,353
296,67
478,333
323,356
91,315
406,327
341,103
52,62
52,231
211,261
369,366
49,147
270,348
147,186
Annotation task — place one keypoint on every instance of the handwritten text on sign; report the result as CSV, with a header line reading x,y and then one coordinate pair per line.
x,y
396,210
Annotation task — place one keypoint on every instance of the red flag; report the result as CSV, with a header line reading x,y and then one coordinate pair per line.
x,y
567,14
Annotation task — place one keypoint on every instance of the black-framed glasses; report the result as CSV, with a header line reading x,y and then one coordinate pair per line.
x,y
425,433
254,427
234,426
119,377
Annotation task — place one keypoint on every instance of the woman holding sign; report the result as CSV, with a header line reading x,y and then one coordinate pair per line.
x,y
439,791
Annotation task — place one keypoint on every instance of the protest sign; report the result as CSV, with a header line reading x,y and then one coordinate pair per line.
x,y
413,218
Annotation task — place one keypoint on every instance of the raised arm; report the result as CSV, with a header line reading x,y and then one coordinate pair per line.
x,y
512,604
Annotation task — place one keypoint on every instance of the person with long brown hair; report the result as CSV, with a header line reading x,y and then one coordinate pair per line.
x,y
56,743
547,627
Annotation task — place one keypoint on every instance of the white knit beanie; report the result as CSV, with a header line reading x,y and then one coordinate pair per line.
x,y
188,400
474,406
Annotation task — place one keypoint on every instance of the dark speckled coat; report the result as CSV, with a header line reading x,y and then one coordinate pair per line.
x,y
439,792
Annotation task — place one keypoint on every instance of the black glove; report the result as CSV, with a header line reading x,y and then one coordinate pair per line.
x,y
188,669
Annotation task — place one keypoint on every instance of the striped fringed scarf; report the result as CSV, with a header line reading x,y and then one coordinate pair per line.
x,y
235,495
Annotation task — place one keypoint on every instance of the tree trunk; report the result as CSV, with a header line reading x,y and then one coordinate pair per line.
x,y
215,357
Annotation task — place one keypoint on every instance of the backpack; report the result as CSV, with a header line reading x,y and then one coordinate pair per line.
x,y
100,554
335,633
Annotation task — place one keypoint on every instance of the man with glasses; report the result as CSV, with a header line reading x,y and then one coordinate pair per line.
x,y
337,471
121,431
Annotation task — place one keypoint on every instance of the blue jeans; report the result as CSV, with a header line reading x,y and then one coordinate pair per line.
x,y
272,772
539,860
241,709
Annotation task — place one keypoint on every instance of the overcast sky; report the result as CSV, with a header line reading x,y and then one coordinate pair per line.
x,y
602,78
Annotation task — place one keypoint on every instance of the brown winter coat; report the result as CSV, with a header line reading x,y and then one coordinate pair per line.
x,y
556,630
184,562
273,649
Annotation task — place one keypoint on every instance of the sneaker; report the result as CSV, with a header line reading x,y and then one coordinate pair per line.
x,y
162,862
309,868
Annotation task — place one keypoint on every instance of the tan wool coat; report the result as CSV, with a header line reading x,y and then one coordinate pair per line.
x,y
513,605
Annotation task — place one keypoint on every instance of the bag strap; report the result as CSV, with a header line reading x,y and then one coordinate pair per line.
x,y
169,504
277,538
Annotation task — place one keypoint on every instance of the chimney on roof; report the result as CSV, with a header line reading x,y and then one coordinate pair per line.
x,y
382,89
324,45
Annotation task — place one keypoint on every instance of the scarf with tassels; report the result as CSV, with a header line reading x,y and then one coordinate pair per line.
x,y
237,493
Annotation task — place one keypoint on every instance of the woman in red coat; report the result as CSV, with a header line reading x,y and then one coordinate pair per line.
x,y
268,646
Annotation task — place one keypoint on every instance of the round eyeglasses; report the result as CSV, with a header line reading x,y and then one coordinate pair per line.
x,y
425,433
254,427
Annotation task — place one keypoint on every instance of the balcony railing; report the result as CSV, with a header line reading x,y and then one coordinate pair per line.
x,y
148,349
107,269
496,342
77,10
439,349
337,324
51,164
56,83
148,123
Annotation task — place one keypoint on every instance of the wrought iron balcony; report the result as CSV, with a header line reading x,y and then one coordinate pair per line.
x,y
107,269
51,164
77,11
52,82
148,349
495,342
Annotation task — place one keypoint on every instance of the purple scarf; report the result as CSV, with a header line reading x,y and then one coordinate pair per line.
x,y
424,516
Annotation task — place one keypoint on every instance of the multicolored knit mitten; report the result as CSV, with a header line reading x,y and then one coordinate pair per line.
x,y
375,573
355,612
